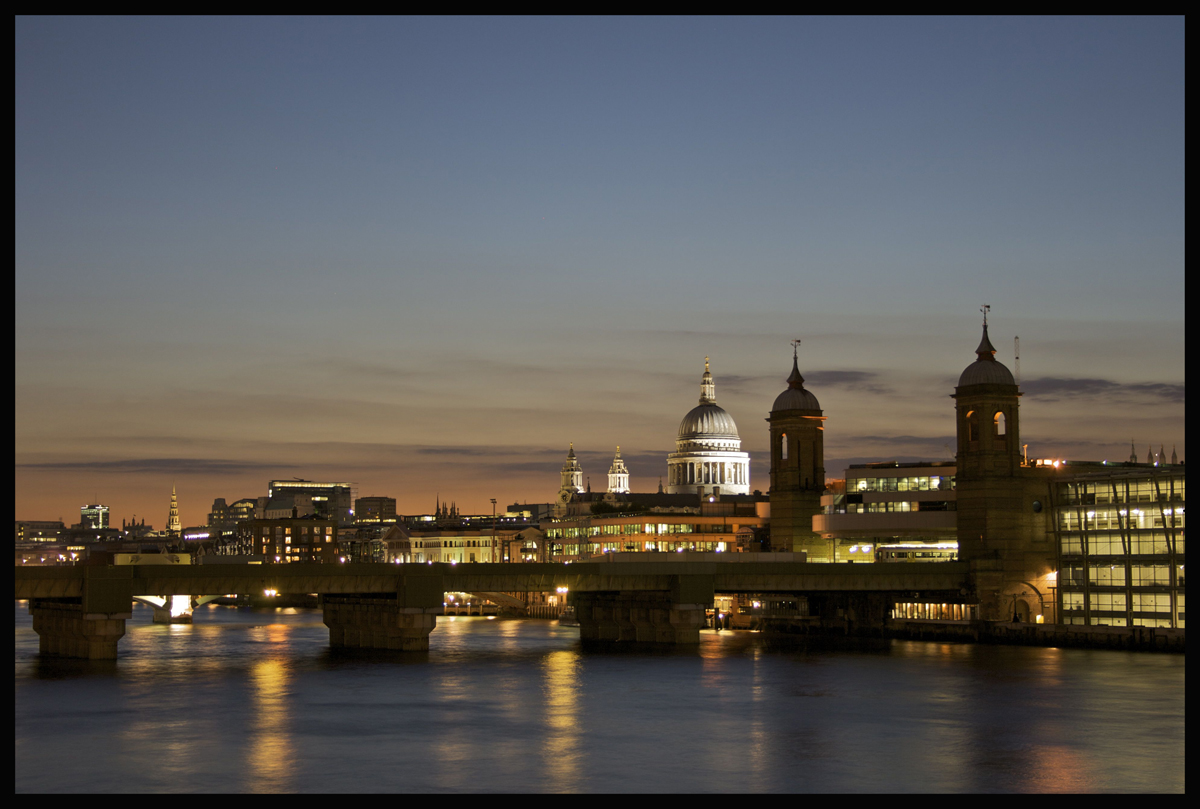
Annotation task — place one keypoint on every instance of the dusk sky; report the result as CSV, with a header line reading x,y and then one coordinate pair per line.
x,y
423,255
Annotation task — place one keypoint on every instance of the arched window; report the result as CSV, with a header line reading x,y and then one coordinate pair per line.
x,y
999,421
783,447
972,425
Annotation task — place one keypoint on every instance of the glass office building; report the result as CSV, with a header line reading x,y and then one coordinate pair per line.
x,y
1120,533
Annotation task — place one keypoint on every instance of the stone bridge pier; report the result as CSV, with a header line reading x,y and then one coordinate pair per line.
x,y
399,621
87,627
645,616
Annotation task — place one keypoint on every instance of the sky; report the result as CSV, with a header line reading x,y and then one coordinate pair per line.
x,y
424,255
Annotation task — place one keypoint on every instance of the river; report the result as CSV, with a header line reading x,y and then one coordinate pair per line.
x,y
255,701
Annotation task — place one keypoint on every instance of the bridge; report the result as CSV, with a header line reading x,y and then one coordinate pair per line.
x,y
81,611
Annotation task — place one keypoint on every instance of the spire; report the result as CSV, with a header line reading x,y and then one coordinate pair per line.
x,y
986,350
707,389
1162,455
1174,457
660,488
571,451
1149,454
173,517
1132,452
795,381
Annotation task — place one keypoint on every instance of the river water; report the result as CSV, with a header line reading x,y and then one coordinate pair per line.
x,y
254,700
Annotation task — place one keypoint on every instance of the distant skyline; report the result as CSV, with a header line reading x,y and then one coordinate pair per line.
x,y
423,255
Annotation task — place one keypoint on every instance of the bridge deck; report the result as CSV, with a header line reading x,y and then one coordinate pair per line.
x,y
727,577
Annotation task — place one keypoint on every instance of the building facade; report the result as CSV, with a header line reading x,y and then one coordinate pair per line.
x,y
333,501
93,516
1119,532
375,509
294,539
891,512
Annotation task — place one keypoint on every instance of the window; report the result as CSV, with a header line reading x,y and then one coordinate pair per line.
x,y
972,426
998,419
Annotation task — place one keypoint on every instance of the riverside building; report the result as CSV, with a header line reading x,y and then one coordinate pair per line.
x,y
1119,530
892,512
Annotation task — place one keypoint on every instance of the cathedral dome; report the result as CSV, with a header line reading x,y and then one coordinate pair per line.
x,y
986,370
707,421
708,457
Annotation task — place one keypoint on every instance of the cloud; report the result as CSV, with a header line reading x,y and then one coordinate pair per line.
x,y
159,466
1054,388
851,380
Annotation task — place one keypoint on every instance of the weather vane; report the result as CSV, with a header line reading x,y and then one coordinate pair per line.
x,y
985,309
795,346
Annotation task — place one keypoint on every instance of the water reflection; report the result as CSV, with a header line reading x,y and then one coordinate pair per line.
x,y
561,747
254,700
270,755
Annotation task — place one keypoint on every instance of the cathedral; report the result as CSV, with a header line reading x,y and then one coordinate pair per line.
x,y
708,457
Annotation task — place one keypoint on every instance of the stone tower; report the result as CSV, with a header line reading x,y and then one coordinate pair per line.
x,y
1002,528
572,477
797,469
173,526
618,475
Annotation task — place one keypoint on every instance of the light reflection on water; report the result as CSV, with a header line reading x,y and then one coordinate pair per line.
x,y
246,700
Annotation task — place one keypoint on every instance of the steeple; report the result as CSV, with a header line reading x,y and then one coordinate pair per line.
x,y
173,518
1149,454
708,393
795,381
1132,452
618,474
1174,457
986,350
1162,455
572,477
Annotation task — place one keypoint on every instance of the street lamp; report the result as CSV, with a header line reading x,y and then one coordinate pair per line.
x,y
493,525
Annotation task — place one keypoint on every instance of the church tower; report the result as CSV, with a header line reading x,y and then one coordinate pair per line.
x,y
173,526
989,435
797,468
1003,530
572,477
618,475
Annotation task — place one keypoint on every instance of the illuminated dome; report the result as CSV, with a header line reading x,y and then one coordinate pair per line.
x,y
986,370
708,457
707,421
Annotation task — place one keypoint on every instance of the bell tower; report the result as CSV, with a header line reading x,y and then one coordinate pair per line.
x,y
618,475
1003,529
572,477
989,431
797,468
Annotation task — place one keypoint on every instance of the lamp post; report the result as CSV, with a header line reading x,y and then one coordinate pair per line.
x,y
494,546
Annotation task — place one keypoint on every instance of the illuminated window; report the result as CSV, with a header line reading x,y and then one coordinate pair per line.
x,y
999,421
972,426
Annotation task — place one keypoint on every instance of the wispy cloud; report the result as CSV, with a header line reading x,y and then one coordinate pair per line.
x,y
1053,388
159,466
852,380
